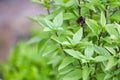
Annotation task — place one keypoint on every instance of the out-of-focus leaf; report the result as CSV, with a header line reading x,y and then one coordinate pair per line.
x,y
34,40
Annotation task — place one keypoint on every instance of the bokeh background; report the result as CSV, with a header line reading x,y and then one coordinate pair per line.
x,y
14,24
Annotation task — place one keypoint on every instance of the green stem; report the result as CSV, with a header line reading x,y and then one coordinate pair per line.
x,y
99,42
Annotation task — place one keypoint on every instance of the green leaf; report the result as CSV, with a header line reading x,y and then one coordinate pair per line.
x,y
111,63
118,27
115,16
65,62
70,3
89,51
73,75
101,58
115,3
103,20
85,73
78,35
84,12
93,26
100,76
49,24
84,44
75,54
55,61
112,31
117,72
49,50
65,1
89,6
68,16
101,51
40,20
97,3
58,20
35,40
42,45
66,70
115,78
107,76
56,39
111,50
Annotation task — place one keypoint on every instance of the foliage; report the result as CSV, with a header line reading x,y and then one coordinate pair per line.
x,y
26,64
79,37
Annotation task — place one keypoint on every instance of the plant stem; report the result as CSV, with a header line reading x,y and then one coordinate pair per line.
x,y
99,36
48,11
90,75
79,8
109,52
61,45
79,11
106,11
91,13
118,49
80,64
63,48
